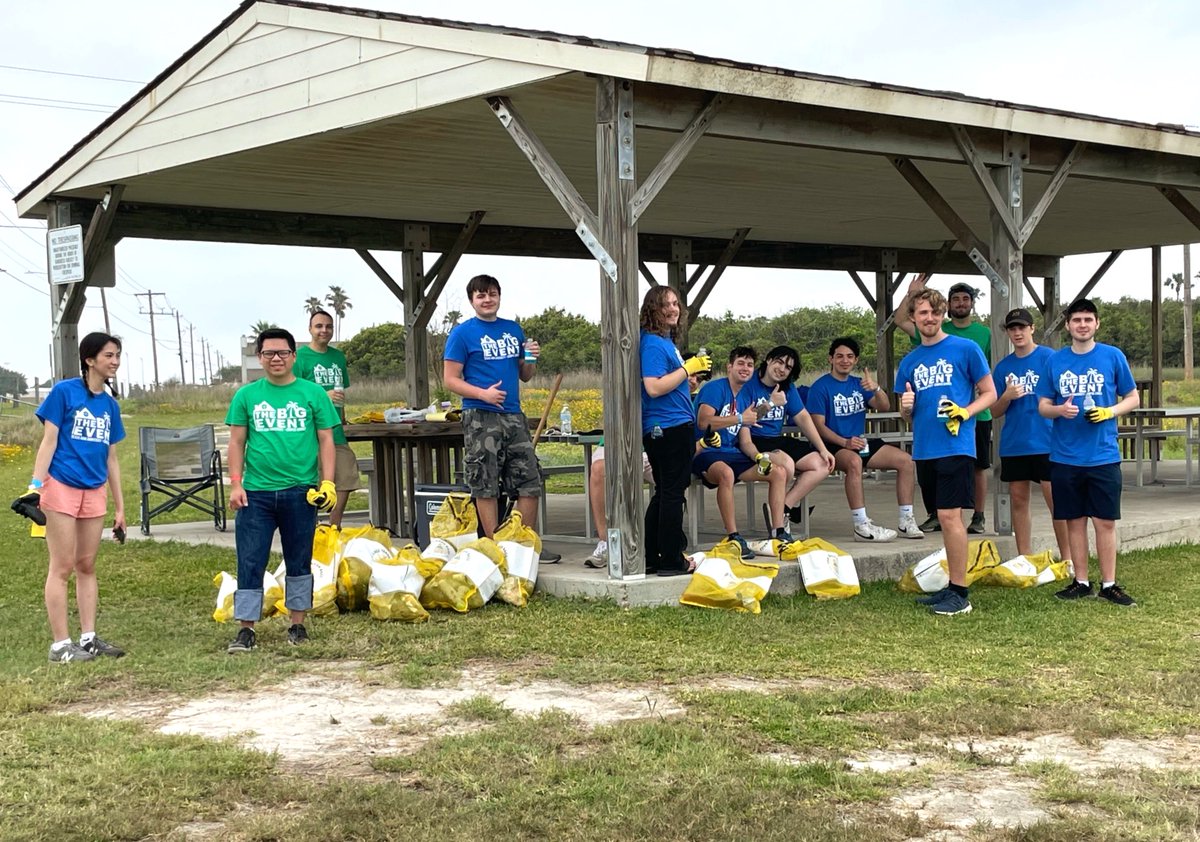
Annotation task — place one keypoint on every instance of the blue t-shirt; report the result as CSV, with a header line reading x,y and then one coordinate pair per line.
x,y
719,395
87,424
771,422
950,369
1103,375
490,352
843,403
659,356
1025,432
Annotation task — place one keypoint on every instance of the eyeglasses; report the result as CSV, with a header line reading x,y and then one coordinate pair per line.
x,y
275,355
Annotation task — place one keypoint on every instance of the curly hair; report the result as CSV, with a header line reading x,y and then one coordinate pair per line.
x,y
652,312
936,300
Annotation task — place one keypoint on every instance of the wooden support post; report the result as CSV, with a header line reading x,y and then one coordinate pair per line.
x,y
619,328
718,269
885,329
442,269
416,340
1059,319
677,279
1156,327
1051,306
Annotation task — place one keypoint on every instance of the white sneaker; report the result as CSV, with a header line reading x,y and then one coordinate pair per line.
x,y
599,557
870,532
909,528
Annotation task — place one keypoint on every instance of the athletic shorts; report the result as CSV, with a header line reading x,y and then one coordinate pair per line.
x,y
983,444
79,503
738,462
949,481
498,455
1033,468
792,446
345,468
647,474
1086,491
873,447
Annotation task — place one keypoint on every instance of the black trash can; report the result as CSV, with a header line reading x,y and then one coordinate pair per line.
x,y
429,497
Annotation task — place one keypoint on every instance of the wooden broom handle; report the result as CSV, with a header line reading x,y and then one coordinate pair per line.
x,y
546,412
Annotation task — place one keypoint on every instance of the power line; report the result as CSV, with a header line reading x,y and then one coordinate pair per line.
x,y
60,101
23,282
59,107
64,73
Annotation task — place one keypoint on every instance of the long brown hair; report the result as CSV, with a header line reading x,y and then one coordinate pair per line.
x,y
652,312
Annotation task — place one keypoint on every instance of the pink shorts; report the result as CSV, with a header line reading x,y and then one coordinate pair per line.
x,y
79,503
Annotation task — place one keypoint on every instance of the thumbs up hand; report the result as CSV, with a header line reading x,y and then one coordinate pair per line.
x,y
1069,409
907,398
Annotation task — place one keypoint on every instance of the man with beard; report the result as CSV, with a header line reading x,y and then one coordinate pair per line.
x,y
961,322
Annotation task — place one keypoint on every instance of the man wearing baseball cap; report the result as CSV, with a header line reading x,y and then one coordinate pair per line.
x,y
961,322
1025,436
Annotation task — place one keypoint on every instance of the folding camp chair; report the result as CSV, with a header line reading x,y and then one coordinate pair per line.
x,y
185,465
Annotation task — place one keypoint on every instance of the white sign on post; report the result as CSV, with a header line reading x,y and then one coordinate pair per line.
x,y
64,254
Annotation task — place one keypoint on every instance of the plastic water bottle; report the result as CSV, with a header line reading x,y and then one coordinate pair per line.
x,y
564,421
866,448
1088,403
703,352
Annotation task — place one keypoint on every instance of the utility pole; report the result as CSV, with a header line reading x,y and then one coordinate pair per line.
x,y
153,341
179,337
108,330
1187,311
192,352
212,372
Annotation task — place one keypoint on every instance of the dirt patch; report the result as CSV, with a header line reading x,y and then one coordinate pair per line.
x,y
338,721
991,796
1163,753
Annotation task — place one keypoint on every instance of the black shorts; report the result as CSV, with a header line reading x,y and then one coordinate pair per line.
x,y
1032,468
738,462
1086,491
983,444
873,447
792,446
948,482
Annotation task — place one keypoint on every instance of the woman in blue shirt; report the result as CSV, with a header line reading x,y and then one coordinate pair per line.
x,y
75,461
667,428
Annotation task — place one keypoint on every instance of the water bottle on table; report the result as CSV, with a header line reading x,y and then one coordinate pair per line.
x,y
564,421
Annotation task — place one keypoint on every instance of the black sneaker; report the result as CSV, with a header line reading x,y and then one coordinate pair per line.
x,y
978,524
796,513
244,642
297,634
98,646
931,524
1114,594
1075,590
747,553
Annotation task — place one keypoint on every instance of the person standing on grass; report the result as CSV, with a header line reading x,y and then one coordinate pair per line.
x,y
326,366
941,379
838,402
73,471
1025,437
668,425
961,322
281,460
1086,387
485,363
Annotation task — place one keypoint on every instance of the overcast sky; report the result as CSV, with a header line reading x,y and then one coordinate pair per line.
x,y
1111,58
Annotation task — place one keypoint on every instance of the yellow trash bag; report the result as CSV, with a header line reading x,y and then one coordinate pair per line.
x,y
324,595
766,547
353,582
447,415
515,530
370,417
521,561
932,573
395,587
226,584
723,580
456,521
366,543
827,571
468,580
1028,571
435,556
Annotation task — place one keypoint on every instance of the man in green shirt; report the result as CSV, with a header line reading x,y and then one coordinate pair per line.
x,y
280,432
326,366
961,322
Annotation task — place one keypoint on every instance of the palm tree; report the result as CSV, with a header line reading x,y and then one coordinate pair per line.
x,y
339,302
312,304
259,326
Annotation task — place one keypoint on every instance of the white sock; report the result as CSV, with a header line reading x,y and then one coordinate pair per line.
x,y
859,515
1084,582
906,511
87,637
1104,585
59,644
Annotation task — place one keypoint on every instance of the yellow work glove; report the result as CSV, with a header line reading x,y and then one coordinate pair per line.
x,y
762,463
323,497
953,413
712,438
1100,413
697,365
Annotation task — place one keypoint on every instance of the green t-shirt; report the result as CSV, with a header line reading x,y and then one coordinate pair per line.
x,y
281,432
978,333
328,370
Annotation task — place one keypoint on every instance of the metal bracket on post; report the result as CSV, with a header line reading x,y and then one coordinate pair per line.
x,y
991,274
627,167
889,260
592,244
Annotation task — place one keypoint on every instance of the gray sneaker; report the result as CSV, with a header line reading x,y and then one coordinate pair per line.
x,y
598,560
933,598
98,646
978,524
747,553
244,642
952,603
297,634
71,652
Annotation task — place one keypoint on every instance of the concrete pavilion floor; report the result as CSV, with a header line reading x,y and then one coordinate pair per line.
x,y
1153,516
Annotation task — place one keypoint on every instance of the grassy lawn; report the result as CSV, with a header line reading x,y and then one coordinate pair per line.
x,y
775,707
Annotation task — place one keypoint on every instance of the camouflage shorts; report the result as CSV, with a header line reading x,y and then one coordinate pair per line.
x,y
499,455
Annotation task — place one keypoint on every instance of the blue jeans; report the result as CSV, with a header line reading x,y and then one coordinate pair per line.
x,y
288,511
